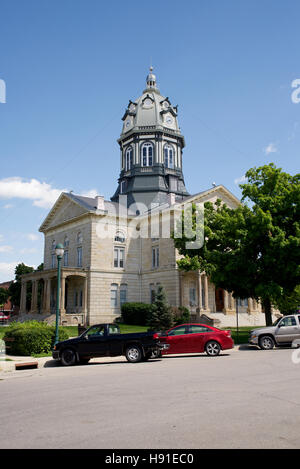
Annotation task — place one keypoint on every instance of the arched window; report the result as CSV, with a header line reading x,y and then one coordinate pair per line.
x,y
128,158
79,238
169,156
147,154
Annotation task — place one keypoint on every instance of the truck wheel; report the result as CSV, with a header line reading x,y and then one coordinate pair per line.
x,y
212,348
266,342
68,357
133,354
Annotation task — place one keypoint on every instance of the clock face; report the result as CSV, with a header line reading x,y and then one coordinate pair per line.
x,y
147,102
127,124
169,120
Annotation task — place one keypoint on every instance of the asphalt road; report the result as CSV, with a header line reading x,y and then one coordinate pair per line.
x,y
241,399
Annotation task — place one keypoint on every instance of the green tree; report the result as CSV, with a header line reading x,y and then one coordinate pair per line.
x,y
4,295
15,287
161,315
253,250
289,303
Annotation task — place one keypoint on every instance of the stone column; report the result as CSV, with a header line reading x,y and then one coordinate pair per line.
x,y
62,294
181,289
33,308
225,301
206,292
47,295
23,297
199,291
250,305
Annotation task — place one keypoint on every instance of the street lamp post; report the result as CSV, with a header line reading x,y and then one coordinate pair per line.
x,y
59,251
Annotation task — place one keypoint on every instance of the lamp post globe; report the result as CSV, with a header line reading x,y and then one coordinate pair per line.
x,y
59,251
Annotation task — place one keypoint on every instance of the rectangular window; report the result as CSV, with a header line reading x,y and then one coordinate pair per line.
x,y
155,257
53,261
152,293
119,257
79,257
114,296
123,294
66,258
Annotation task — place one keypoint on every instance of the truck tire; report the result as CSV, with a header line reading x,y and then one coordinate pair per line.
x,y
68,357
133,354
266,342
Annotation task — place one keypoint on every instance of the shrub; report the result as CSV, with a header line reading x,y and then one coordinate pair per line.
x,y
136,313
31,337
161,316
181,315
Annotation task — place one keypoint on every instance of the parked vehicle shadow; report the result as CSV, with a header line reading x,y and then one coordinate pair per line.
x,y
195,356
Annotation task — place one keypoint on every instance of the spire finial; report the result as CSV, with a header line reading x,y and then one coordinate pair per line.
x,y
151,78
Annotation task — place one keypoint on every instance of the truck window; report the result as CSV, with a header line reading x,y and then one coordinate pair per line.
x,y
96,331
113,329
289,321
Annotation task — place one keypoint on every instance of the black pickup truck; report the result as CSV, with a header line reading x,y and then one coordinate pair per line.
x,y
102,340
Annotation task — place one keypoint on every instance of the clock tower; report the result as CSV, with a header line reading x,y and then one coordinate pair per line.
x,y
151,147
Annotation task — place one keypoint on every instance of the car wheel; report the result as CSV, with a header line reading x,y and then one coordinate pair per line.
x,y
133,354
212,348
266,342
156,353
68,357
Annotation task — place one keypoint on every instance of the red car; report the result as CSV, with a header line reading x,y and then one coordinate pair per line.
x,y
196,338
4,316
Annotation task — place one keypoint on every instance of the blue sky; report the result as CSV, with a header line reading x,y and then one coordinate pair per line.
x,y
71,66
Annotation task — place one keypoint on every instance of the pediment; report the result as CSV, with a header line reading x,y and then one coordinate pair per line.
x,y
211,195
64,210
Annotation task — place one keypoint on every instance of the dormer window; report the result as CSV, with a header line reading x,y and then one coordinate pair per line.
x,y
147,154
169,156
120,237
128,158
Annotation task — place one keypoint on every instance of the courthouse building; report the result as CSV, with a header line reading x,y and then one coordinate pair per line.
x,y
120,250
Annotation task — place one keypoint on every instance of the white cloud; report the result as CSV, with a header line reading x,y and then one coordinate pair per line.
x,y
7,270
240,180
32,237
42,194
271,148
6,248
28,251
8,206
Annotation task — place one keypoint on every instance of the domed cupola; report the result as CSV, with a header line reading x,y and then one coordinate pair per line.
x,y
151,149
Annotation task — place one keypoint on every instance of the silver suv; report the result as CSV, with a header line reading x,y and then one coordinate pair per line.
x,y
283,332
